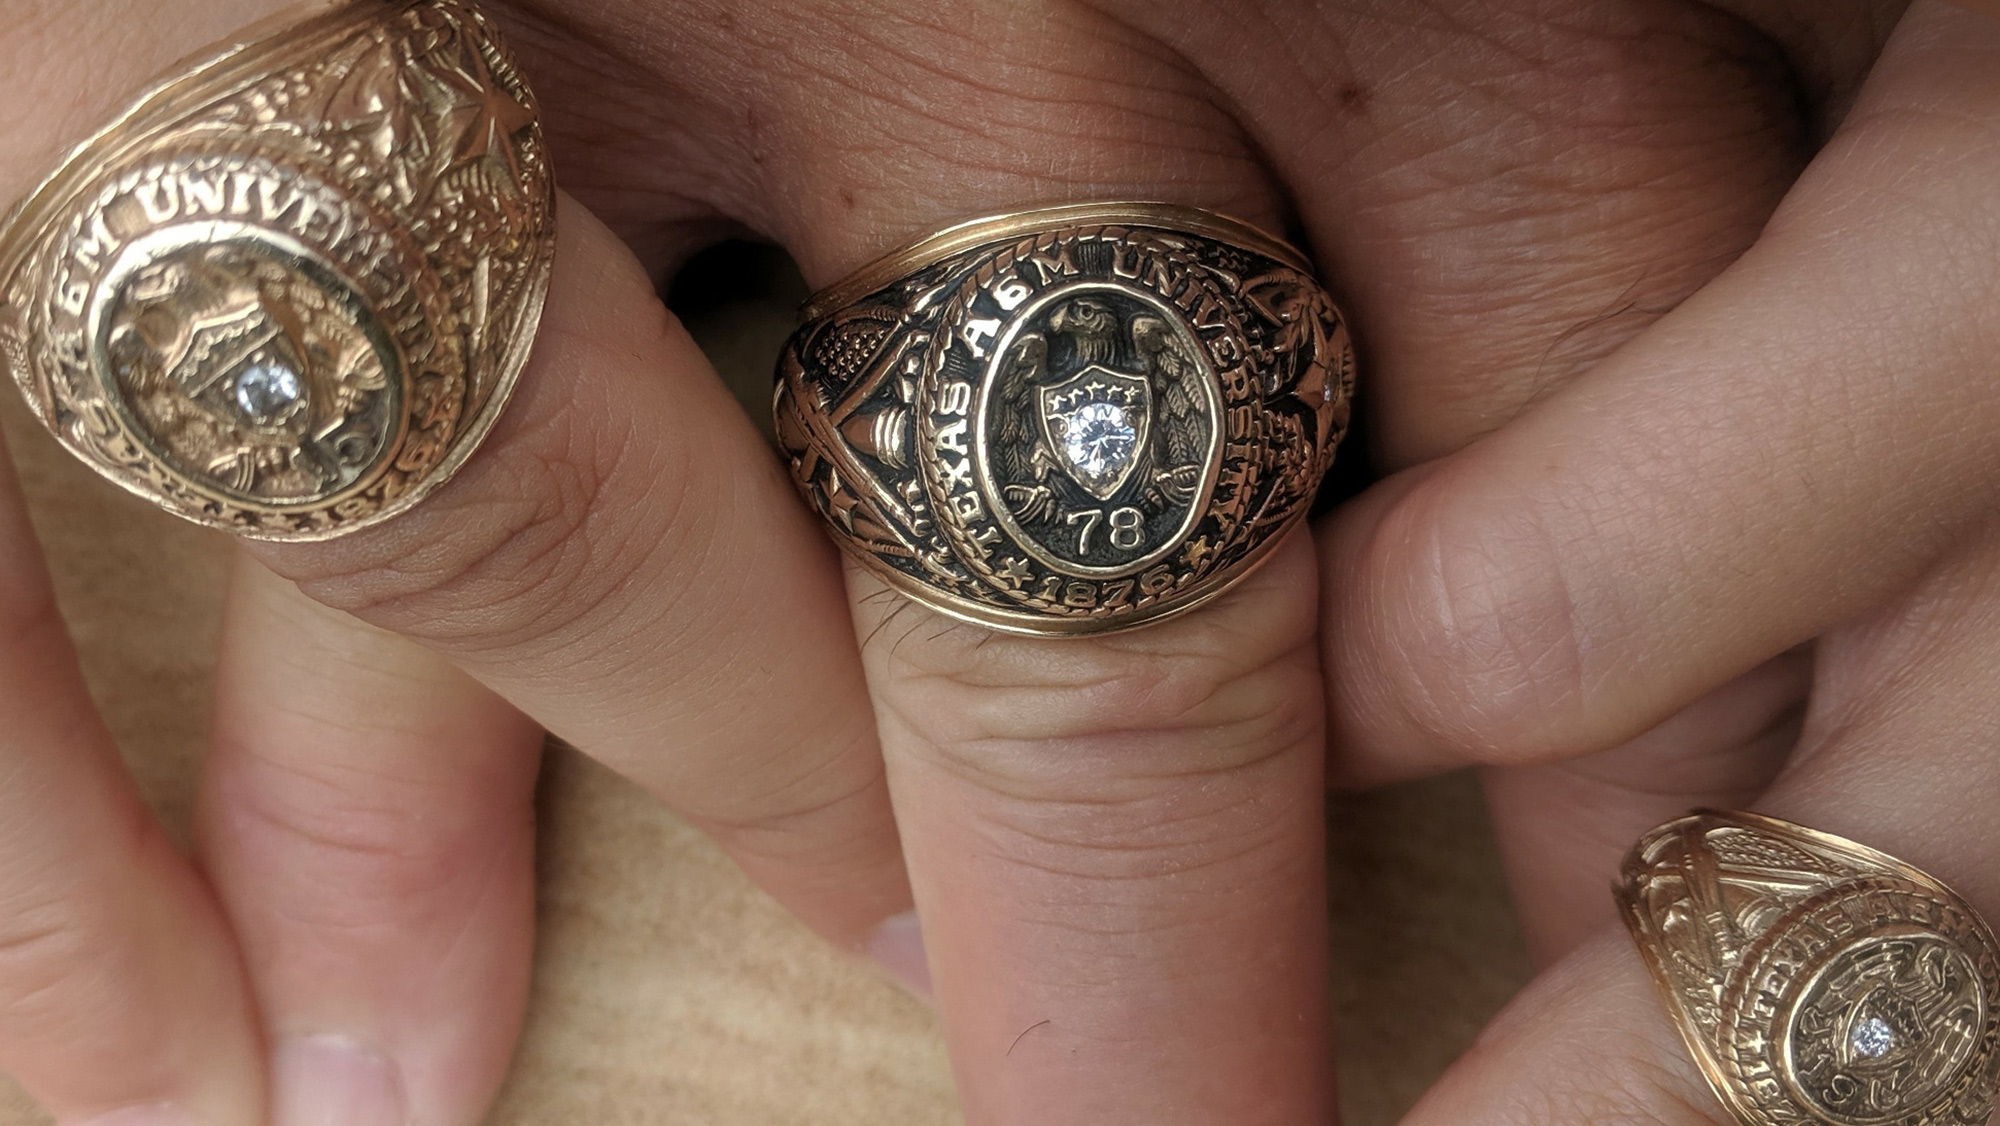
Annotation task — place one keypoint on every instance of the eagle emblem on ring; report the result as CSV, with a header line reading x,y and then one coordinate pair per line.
x,y
1101,427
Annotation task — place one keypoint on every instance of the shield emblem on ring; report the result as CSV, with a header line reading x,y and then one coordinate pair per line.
x,y
1096,424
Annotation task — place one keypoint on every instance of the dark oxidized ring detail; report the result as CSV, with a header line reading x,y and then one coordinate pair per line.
x,y
1068,421
287,292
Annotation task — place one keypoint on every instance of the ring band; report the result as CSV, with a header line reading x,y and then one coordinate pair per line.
x,y
1072,420
1814,979
288,291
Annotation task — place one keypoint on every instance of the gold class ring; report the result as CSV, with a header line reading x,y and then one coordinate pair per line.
x,y
1814,979
1068,421
288,290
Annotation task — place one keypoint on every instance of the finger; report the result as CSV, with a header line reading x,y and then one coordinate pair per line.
x,y
367,819
625,562
1116,844
1576,191
1511,191
1713,494
1896,754
1117,847
662,616
121,996
1563,827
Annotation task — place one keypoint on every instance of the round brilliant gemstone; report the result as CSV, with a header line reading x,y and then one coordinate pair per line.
x,y
1872,1038
1099,438
267,390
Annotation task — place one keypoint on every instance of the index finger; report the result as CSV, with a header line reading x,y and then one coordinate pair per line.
x,y
1897,757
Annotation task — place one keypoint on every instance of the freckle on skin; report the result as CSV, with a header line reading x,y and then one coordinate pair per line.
x,y
1354,97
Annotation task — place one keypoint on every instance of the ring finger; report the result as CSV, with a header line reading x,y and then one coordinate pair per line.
x,y
1116,842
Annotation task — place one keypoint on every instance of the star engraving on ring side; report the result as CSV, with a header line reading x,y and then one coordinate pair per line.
x,y
486,120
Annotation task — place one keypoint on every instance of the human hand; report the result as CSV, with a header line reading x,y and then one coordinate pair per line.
x,y
1116,842
1746,560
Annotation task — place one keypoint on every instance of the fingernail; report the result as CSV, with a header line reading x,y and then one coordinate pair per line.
x,y
334,1081
898,947
144,1116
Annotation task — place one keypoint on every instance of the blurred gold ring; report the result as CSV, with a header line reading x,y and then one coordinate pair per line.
x,y
1072,420
288,290
1814,979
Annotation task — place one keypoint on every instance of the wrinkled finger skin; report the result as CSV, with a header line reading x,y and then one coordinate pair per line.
x,y
1795,445
1658,138
1424,674
1090,825
1506,194
1892,743
1896,754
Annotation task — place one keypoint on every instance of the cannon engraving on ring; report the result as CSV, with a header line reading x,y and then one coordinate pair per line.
x,y
1818,982
288,292
1091,423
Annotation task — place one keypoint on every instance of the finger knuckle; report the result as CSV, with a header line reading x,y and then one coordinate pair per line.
x,y
1474,628
63,932
1222,837
1179,754
392,843
1196,702
818,809
532,540
39,950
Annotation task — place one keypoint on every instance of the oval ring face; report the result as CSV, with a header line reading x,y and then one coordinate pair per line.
x,y
247,363
1099,432
1885,1026
1867,1004
1071,428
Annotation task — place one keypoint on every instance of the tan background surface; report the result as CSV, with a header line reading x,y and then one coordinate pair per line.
x,y
668,991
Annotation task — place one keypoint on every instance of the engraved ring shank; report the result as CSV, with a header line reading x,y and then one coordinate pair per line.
x,y
288,291
1816,980
1068,421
